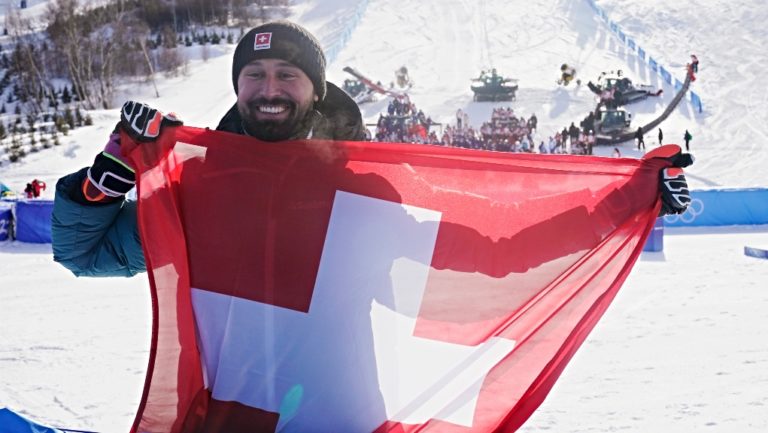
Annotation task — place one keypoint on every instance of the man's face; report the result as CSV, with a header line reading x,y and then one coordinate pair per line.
x,y
274,98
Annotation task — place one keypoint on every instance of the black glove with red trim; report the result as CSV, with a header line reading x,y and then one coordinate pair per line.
x,y
675,196
143,123
111,176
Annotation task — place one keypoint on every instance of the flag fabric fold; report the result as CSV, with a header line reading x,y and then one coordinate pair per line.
x,y
356,287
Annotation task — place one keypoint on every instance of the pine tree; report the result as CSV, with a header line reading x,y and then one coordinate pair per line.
x,y
66,97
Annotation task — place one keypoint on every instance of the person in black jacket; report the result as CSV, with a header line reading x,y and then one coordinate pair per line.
x,y
639,138
573,133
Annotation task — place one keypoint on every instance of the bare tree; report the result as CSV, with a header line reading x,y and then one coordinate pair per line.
x,y
70,35
88,51
139,32
27,60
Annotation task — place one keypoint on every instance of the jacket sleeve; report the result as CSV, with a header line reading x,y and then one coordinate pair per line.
x,y
95,240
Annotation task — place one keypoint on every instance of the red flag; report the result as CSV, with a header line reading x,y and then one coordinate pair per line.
x,y
344,286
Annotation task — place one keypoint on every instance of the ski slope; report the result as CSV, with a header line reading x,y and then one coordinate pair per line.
x,y
681,349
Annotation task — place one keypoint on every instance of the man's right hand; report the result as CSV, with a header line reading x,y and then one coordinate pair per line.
x,y
144,123
111,176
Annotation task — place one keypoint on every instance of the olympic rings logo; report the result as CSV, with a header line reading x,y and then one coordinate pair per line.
x,y
695,209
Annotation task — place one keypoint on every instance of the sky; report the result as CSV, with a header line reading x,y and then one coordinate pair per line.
x,y
682,348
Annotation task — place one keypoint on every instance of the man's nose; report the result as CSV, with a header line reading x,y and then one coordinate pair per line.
x,y
271,87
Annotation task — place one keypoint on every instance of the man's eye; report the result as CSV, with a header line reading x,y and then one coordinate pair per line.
x,y
287,75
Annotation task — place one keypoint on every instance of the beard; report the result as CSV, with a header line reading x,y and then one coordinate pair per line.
x,y
296,125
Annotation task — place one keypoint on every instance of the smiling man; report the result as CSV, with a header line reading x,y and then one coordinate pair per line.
x,y
278,72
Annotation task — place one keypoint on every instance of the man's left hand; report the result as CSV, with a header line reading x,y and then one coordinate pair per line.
x,y
673,187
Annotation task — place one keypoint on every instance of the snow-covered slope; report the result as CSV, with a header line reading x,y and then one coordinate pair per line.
x,y
445,43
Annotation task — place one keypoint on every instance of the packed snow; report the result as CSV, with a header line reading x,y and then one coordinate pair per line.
x,y
683,347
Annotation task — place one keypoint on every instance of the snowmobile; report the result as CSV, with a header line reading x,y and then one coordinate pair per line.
x,y
359,92
611,121
567,74
491,86
615,89
353,87
619,136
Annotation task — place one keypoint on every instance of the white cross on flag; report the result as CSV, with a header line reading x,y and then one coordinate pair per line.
x,y
262,41
319,286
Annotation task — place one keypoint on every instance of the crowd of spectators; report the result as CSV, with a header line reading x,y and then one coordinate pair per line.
x,y
505,131
404,123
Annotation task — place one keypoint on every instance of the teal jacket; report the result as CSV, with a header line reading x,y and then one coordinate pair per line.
x,y
97,240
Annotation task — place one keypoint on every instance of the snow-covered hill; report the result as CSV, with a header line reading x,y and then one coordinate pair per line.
x,y
445,43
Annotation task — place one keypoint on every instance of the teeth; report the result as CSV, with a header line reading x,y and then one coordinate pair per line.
x,y
272,109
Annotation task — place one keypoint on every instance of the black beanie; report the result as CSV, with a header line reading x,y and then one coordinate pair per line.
x,y
286,41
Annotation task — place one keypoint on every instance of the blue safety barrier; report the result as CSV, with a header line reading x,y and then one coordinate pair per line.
x,y
759,253
5,223
711,207
655,241
722,207
33,221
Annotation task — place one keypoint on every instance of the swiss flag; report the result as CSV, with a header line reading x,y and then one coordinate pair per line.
x,y
356,287
262,41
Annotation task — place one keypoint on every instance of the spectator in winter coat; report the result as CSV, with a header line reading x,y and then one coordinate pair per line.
x,y
639,138
694,63
687,137
661,136
37,187
532,122
591,140
573,133
525,144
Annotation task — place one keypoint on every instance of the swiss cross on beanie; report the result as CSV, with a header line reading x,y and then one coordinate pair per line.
x,y
286,41
262,41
